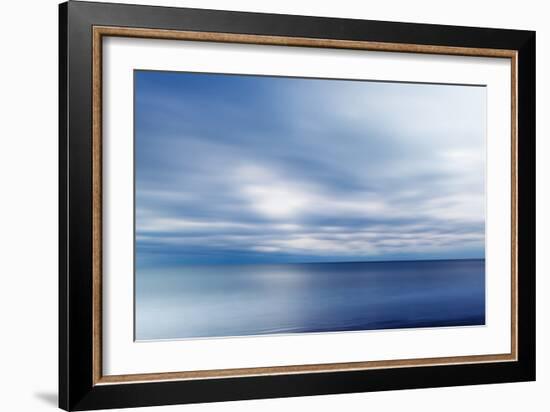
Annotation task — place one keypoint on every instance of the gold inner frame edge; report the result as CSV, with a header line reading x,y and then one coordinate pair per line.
x,y
101,31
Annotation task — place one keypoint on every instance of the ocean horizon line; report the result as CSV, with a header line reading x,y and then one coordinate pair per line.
x,y
323,262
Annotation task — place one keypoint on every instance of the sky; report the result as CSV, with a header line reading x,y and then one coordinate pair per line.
x,y
234,169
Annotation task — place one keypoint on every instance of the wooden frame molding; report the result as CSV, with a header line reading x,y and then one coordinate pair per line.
x,y
101,31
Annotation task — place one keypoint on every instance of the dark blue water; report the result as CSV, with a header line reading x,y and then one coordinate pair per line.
x,y
215,301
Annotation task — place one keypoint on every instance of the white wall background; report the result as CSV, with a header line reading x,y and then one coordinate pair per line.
x,y
28,203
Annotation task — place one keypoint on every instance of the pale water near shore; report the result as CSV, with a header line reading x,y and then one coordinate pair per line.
x,y
239,300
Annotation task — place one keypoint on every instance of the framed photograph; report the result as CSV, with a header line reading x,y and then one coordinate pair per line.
x,y
256,205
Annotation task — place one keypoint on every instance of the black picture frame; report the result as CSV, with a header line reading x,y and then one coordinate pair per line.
x,y
77,390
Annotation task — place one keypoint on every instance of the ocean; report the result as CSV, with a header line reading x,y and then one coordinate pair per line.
x,y
241,300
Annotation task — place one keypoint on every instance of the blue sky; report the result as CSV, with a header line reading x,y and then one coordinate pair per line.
x,y
258,169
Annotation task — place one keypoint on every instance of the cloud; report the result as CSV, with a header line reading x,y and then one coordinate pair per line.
x,y
263,169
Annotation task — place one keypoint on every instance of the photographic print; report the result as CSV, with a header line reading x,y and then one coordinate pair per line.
x,y
280,205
